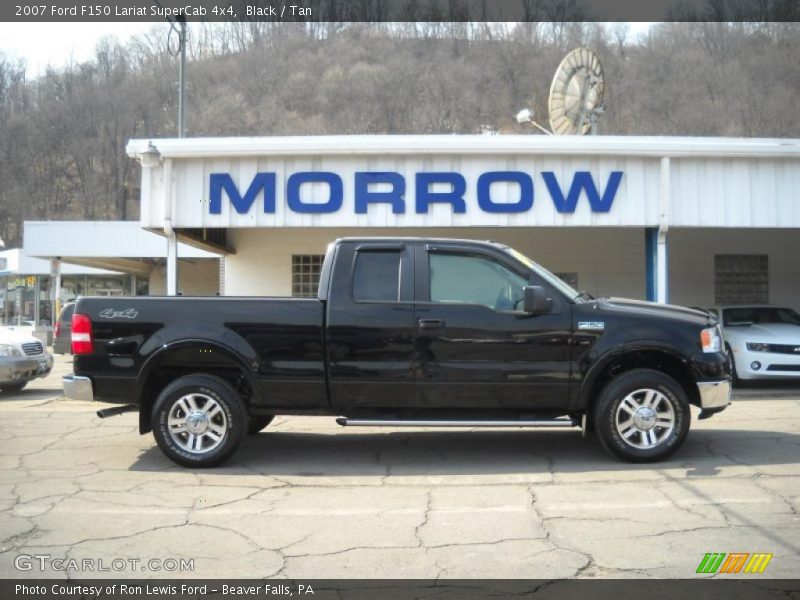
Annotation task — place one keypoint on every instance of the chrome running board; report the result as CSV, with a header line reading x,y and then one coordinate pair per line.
x,y
345,422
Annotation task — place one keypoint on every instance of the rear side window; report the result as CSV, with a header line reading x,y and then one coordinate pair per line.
x,y
377,276
66,314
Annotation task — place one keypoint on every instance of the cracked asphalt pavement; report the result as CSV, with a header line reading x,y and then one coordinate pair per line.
x,y
308,499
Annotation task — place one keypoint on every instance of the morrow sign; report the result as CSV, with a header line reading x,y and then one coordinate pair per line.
x,y
390,188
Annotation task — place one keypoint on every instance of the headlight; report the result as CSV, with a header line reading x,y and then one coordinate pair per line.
x,y
6,350
757,347
711,340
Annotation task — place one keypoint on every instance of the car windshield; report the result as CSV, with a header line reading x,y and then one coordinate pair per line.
x,y
553,280
759,315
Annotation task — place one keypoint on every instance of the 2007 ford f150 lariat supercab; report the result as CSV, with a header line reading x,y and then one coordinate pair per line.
x,y
404,332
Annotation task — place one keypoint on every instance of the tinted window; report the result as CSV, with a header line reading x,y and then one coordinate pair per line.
x,y
470,279
377,276
66,314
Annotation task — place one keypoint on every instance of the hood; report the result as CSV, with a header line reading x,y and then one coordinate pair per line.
x,y
654,309
778,333
9,335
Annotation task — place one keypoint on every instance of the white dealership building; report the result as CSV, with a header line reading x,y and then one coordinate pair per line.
x,y
692,221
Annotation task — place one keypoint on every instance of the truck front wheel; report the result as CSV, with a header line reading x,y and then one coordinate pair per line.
x,y
642,416
258,422
199,420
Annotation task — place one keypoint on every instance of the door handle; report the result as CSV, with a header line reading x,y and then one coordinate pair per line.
x,y
431,323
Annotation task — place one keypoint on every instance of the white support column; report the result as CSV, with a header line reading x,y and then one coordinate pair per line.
x,y
662,268
172,263
55,284
169,231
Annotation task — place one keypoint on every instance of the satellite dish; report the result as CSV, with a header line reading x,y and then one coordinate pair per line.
x,y
576,94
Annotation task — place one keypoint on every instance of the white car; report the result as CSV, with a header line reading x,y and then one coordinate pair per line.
x,y
762,341
22,358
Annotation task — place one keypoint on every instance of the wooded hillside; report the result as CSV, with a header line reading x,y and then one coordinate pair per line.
x,y
62,135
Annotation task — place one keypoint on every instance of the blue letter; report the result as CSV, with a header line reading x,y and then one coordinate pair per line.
x,y
582,180
395,197
223,181
525,192
454,197
334,182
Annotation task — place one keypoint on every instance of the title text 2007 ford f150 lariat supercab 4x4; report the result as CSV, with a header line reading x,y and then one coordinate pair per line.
x,y
404,332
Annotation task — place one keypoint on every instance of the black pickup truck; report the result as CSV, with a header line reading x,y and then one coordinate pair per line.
x,y
404,332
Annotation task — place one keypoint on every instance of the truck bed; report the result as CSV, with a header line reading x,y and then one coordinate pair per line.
x,y
280,340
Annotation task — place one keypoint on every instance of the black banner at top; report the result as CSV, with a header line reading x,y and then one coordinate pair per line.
x,y
400,10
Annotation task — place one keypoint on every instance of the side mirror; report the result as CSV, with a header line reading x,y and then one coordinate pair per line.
x,y
536,301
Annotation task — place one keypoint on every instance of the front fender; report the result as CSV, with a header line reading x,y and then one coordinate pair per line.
x,y
596,365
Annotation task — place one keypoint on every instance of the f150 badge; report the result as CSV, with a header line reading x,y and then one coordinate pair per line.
x,y
128,313
591,325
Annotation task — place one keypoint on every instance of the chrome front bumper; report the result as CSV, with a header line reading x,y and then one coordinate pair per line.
x,y
714,394
78,387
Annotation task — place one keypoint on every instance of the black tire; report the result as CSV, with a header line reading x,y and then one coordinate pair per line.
x,y
632,387
11,388
203,389
735,381
258,423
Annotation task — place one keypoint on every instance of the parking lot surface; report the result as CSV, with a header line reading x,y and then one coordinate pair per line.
x,y
308,499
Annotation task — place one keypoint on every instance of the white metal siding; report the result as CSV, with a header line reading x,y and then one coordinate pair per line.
x,y
715,182
722,192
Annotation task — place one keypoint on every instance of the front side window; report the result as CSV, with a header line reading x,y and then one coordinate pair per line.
x,y
472,279
377,276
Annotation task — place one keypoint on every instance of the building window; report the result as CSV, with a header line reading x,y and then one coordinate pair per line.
x,y
305,274
741,279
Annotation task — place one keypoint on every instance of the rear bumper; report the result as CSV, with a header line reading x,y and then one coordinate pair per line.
x,y
714,395
78,387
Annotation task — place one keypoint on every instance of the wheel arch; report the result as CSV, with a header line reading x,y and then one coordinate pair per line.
x,y
666,360
192,356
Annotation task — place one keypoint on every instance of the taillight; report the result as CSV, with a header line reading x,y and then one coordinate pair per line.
x,y
57,331
82,335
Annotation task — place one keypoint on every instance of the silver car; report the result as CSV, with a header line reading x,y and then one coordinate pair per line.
x,y
22,358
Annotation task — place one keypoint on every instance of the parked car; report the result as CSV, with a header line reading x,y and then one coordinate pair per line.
x,y
762,341
22,358
62,336
404,332
19,326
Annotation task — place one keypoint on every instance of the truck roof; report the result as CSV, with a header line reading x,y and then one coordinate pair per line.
x,y
392,238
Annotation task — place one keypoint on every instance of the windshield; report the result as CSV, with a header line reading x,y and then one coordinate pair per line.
x,y
556,282
759,315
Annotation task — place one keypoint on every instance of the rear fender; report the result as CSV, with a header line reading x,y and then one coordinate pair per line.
x,y
247,364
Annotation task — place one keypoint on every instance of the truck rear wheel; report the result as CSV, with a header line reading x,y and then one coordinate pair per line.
x,y
199,420
642,416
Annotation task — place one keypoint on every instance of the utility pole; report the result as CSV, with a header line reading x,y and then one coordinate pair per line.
x,y
169,230
181,19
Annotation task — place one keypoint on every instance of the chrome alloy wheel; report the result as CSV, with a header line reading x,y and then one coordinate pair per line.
x,y
197,423
645,418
